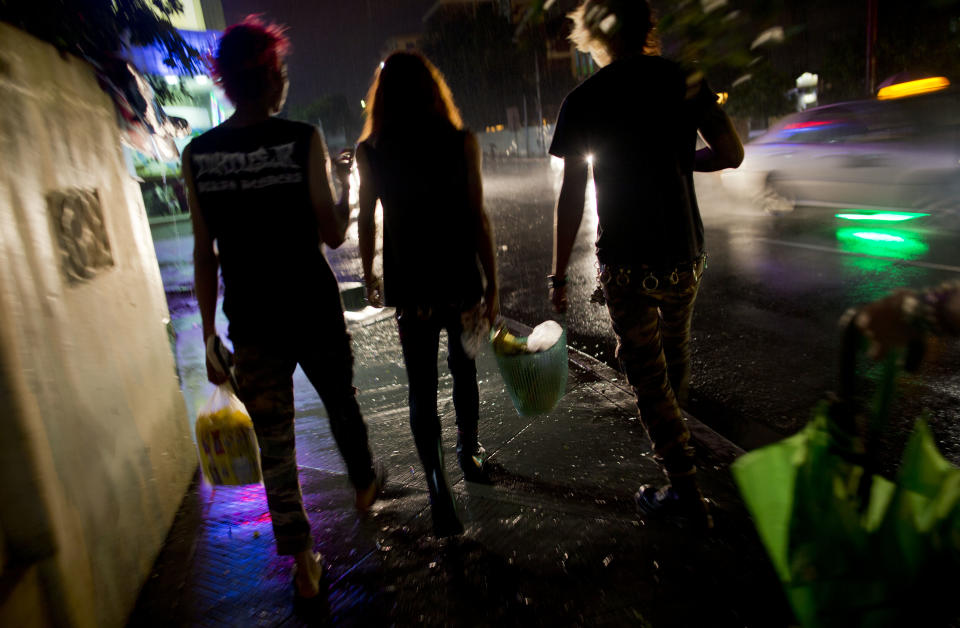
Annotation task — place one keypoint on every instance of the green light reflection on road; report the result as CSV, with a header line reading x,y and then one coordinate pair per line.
x,y
877,272
880,216
878,237
882,243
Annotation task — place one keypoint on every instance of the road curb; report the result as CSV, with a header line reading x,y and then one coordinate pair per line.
x,y
721,447
356,310
353,295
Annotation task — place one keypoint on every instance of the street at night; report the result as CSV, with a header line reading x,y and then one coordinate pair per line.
x,y
767,324
766,329
480,313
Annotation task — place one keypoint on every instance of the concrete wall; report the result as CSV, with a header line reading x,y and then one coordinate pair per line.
x,y
95,450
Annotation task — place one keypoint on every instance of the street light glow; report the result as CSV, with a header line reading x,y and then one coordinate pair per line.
x,y
912,88
590,159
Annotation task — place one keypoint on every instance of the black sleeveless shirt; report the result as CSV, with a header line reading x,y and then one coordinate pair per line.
x,y
252,183
429,232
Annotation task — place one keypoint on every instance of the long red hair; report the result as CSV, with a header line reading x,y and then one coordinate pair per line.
x,y
407,89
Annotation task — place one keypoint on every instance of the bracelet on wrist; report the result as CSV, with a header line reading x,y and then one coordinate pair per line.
x,y
557,281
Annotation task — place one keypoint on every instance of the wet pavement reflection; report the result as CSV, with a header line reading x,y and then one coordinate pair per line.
x,y
765,328
556,539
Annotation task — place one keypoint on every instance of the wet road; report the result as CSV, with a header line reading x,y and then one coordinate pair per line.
x,y
555,541
765,331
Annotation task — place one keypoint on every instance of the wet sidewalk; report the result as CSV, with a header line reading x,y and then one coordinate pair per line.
x,y
555,540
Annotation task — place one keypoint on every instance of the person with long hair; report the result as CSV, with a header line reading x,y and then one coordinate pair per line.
x,y
439,262
260,187
636,122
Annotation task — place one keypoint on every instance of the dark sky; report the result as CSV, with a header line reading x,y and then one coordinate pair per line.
x,y
336,43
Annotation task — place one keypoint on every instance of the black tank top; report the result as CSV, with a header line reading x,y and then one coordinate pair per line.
x,y
429,233
253,187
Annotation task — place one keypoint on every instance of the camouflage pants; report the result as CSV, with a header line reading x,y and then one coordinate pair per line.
x,y
651,314
265,377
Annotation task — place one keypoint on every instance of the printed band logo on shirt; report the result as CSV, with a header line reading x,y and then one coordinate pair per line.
x,y
219,164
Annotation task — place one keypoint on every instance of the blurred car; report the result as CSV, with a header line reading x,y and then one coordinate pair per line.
x,y
899,154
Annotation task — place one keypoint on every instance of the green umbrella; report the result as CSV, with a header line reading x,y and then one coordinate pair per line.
x,y
853,548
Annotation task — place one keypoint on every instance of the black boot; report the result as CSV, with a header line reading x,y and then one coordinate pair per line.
x,y
442,508
472,458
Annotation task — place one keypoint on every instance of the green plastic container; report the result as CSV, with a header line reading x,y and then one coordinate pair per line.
x,y
536,381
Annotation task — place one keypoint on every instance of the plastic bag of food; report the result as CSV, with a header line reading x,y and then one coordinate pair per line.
x,y
229,454
534,368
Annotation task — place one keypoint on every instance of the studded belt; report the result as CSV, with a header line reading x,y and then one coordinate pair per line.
x,y
650,277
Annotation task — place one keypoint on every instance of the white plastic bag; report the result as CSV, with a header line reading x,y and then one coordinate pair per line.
x,y
229,453
544,336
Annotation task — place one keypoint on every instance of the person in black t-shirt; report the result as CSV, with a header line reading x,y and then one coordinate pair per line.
x,y
636,122
437,253
259,187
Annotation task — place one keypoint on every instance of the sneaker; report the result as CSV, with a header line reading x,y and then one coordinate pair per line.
x,y
474,466
665,502
367,496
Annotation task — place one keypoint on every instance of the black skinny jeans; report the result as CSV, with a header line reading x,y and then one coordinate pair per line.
x,y
420,339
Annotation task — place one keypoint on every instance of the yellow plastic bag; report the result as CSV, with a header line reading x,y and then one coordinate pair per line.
x,y
227,444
